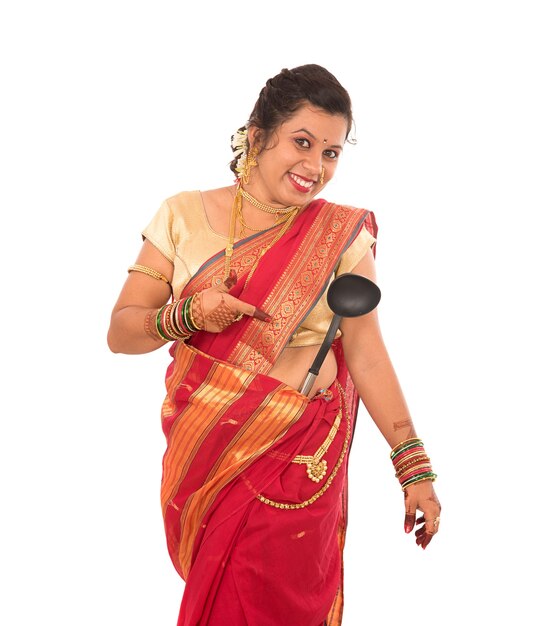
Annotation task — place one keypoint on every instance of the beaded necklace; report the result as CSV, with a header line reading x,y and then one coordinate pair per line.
x,y
279,219
236,213
265,207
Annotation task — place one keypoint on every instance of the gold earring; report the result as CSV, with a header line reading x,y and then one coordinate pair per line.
x,y
249,164
322,177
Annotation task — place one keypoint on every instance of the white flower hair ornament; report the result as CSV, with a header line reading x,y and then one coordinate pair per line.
x,y
239,143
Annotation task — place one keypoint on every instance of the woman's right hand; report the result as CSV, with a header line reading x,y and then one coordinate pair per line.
x,y
214,309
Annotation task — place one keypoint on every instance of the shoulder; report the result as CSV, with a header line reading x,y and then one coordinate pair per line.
x,y
184,211
182,202
336,207
177,216
363,239
364,216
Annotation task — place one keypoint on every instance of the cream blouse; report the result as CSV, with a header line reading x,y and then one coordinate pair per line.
x,y
181,232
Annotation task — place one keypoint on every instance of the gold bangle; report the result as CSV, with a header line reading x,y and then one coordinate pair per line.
x,y
411,458
174,315
424,466
149,271
406,441
190,310
403,468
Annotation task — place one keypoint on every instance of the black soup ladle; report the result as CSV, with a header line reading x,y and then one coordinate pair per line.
x,y
349,295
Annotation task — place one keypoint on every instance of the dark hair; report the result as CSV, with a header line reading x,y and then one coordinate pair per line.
x,y
285,93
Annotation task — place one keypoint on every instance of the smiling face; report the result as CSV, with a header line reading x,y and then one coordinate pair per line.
x,y
289,166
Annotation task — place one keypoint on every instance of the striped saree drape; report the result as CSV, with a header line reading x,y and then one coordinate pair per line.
x,y
258,542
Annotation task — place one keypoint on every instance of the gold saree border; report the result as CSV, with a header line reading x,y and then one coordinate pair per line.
x,y
298,287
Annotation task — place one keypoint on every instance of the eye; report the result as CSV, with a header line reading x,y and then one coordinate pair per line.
x,y
302,142
331,154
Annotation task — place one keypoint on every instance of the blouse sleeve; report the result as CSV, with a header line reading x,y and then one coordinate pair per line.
x,y
356,251
160,231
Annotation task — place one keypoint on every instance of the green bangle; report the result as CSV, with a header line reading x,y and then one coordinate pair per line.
x,y
185,316
159,325
420,477
405,445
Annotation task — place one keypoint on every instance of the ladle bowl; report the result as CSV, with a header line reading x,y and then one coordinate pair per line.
x,y
349,295
352,295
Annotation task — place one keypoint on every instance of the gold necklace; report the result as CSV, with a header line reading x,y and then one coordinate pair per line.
x,y
265,207
279,219
235,211
231,241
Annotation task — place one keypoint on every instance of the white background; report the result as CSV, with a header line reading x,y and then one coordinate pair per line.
x,y
110,107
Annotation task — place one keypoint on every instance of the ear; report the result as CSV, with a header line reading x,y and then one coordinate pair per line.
x,y
255,136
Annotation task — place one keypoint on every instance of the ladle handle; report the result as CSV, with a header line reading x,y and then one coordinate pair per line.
x,y
321,354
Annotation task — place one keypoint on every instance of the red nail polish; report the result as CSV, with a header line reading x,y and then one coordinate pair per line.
x,y
262,315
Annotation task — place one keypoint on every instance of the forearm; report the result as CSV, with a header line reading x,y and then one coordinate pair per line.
x,y
381,393
133,331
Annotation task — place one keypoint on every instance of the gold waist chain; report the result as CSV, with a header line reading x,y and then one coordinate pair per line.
x,y
315,459
316,466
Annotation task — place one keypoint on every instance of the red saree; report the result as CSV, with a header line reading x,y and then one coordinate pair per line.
x,y
259,542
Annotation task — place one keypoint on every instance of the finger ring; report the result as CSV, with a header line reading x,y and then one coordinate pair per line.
x,y
436,521
239,317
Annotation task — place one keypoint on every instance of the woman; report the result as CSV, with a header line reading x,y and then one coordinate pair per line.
x,y
255,472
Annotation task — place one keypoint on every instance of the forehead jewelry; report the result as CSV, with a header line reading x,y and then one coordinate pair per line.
x,y
324,141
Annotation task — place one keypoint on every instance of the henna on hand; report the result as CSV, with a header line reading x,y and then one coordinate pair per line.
x,y
218,318
221,317
227,311
427,526
150,326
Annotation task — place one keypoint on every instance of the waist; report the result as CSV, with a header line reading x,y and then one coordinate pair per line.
x,y
305,336
293,365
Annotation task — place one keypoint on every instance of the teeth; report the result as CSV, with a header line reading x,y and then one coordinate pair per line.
x,y
301,181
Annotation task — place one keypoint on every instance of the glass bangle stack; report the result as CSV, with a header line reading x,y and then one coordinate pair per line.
x,y
175,320
411,463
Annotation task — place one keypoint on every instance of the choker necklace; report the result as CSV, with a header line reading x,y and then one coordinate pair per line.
x,y
279,219
266,207
236,214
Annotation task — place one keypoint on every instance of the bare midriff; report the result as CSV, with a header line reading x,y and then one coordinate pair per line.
x,y
293,365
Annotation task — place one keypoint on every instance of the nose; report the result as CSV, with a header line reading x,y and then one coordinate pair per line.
x,y
313,163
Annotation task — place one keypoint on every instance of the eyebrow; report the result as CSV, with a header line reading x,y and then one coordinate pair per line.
x,y
307,132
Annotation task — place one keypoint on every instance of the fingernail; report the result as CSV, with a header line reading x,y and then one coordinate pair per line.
x,y
261,315
408,528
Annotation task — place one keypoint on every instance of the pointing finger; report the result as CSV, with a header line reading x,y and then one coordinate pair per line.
x,y
261,315
248,309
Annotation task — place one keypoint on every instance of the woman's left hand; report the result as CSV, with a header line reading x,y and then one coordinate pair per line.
x,y
421,497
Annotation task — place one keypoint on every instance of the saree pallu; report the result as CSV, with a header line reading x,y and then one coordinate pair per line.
x,y
259,542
